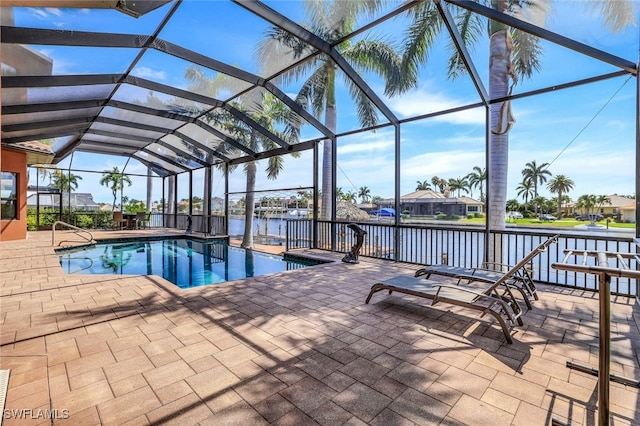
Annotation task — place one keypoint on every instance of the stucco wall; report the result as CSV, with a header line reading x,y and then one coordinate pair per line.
x,y
16,162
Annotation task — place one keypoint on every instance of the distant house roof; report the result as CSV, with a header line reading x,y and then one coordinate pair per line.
x,y
82,201
619,201
429,196
630,207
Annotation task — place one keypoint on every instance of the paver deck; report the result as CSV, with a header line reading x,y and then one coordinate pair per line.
x,y
294,348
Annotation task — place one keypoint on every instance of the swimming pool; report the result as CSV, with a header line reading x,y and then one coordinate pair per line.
x,y
186,262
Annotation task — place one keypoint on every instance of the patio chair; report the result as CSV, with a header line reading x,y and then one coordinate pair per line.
x,y
493,297
521,279
141,220
118,221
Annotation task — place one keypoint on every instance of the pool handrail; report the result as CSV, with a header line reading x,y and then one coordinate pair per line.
x,y
77,231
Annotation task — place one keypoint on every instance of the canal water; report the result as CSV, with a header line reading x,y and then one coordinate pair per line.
x,y
457,247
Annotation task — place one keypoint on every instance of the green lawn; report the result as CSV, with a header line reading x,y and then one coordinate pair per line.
x,y
565,222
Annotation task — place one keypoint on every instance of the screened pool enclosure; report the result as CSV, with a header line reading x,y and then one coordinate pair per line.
x,y
211,106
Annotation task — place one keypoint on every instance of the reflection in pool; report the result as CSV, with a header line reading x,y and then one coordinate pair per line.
x,y
185,262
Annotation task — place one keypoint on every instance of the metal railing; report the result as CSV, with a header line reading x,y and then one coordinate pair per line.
x,y
77,232
199,223
465,245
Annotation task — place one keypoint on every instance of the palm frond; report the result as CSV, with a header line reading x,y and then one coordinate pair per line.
x,y
274,167
419,39
471,28
526,54
312,94
367,112
617,14
378,56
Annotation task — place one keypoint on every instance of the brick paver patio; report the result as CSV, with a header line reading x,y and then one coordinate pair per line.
x,y
295,348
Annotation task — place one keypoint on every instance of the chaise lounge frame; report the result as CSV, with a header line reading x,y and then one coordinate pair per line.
x,y
522,279
493,297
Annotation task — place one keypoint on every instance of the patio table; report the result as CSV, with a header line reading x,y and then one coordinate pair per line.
x,y
604,272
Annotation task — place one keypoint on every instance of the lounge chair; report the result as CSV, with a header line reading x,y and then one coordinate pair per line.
x,y
493,299
489,296
141,220
521,279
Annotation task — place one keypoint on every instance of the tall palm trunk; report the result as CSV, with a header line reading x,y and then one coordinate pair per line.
x,y
206,193
170,207
559,204
499,72
247,239
113,205
330,118
327,181
149,188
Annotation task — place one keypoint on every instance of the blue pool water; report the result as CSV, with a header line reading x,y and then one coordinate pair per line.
x,y
185,262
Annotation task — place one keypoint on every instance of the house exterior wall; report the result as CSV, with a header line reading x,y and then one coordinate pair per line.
x,y
15,162
628,215
620,206
433,208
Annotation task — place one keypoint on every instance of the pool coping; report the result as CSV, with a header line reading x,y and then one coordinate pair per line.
x,y
300,256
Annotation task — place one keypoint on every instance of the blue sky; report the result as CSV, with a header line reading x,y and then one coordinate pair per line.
x,y
587,133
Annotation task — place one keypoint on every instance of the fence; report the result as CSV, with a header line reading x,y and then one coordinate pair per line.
x,y
199,223
464,246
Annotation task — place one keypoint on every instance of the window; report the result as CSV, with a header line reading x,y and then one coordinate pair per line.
x,y
9,195
473,209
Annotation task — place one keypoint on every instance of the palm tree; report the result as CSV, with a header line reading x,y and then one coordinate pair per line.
x,y
536,174
439,184
46,171
350,197
476,180
364,193
423,186
266,110
331,20
539,201
513,205
560,184
267,113
114,180
525,190
513,54
459,184
65,182
592,204
377,200
201,83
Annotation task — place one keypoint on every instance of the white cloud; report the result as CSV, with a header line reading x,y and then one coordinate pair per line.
x,y
365,147
146,72
54,11
617,125
40,13
427,100
595,170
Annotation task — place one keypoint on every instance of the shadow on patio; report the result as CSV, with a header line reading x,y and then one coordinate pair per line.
x,y
300,347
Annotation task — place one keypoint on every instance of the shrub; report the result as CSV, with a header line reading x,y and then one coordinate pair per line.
x,y
441,216
84,221
31,223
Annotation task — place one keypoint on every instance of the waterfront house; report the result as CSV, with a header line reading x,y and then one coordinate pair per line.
x,y
432,203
